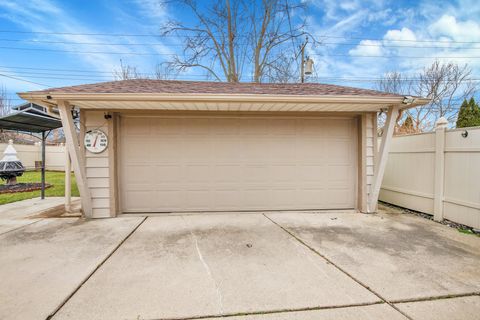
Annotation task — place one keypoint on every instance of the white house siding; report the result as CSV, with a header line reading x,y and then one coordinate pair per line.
x,y
97,167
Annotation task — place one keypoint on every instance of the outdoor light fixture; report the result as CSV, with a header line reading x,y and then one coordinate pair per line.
x,y
465,134
408,100
308,66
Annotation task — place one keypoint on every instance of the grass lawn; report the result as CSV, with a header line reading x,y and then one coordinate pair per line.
x,y
56,179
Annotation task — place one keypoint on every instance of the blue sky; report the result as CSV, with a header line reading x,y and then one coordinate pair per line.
x,y
356,37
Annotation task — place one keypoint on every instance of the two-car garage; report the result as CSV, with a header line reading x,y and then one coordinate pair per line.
x,y
178,163
198,146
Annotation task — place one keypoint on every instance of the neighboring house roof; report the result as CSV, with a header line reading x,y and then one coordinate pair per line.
x,y
143,86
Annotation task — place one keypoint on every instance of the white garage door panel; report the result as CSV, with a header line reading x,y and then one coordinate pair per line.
x,y
244,163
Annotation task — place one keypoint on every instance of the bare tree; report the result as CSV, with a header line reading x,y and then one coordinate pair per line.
x,y
126,72
165,71
5,104
5,108
234,39
447,84
394,82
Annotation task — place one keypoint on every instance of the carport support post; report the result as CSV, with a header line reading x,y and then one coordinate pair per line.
x,y
440,127
73,146
68,182
382,156
42,192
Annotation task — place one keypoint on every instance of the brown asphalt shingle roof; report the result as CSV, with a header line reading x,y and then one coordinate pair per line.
x,y
199,87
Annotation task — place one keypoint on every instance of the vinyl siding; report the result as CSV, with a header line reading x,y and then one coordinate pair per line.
x,y
97,168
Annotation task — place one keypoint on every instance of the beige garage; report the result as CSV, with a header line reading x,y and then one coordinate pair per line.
x,y
224,163
179,146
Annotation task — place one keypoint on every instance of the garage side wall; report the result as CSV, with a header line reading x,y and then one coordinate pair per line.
x,y
98,166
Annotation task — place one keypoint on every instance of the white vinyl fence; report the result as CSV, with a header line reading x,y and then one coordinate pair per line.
x,y
436,173
28,154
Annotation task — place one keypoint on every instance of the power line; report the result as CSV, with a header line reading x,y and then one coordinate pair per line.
x,y
381,45
171,54
20,79
179,45
203,77
186,35
90,52
110,74
394,56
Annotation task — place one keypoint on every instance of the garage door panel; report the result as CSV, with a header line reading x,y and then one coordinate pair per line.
x,y
283,127
227,199
168,126
237,163
339,196
196,126
227,173
198,200
227,127
136,126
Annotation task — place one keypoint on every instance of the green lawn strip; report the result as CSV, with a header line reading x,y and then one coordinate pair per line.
x,y
56,179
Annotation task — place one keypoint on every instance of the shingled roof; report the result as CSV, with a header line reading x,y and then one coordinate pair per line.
x,y
149,86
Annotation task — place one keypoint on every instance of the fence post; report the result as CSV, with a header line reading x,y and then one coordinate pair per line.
x,y
440,127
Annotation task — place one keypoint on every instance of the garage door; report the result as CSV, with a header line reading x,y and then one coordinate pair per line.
x,y
189,163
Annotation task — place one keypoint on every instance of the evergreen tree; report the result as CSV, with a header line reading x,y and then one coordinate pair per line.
x,y
469,114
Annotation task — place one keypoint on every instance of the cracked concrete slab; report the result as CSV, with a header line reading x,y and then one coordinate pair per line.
x,y
43,263
463,308
398,256
377,312
206,265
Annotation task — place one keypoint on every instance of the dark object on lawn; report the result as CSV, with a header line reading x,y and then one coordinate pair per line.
x,y
10,166
22,187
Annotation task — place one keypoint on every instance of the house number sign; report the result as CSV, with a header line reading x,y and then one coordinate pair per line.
x,y
96,141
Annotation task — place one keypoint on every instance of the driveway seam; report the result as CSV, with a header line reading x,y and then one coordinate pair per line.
x,y
338,267
95,270
433,298
256,313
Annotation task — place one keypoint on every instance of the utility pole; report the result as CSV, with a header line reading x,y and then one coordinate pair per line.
x,y
302,62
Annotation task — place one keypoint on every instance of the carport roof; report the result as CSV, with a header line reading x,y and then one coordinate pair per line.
x,y
29,119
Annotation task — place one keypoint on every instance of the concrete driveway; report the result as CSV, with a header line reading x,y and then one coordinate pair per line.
x,y
296,265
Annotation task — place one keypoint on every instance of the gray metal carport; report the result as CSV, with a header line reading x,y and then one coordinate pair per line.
x,y
32,120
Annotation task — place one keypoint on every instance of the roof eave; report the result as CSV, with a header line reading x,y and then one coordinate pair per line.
x,y
52,98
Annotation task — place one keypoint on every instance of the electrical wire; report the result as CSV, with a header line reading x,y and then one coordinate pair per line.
x,y
186,35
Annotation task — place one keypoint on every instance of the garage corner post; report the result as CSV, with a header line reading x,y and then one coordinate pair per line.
x,y
72,144
383,156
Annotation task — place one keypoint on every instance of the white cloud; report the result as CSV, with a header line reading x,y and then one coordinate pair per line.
x,y
448,26
152,8
367,48
403,34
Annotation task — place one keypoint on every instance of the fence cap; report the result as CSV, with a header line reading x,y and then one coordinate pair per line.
x,y
441,122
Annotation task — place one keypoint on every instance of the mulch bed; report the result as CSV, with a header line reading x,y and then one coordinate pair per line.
x,y
22,187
